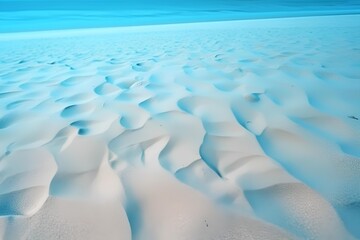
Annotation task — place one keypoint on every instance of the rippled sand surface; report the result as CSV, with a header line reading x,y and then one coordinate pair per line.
x,y
225,130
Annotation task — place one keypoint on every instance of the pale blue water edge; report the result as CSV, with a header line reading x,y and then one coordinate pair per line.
x,y
28,15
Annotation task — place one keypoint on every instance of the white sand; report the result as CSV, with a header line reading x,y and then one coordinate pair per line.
x,y
227,130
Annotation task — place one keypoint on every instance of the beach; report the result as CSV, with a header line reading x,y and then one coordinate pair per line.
x,y
244,129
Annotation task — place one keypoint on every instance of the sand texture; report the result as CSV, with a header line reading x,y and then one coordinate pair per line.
x,y
227,130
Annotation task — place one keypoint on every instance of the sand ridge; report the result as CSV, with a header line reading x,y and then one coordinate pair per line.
x,y
216,131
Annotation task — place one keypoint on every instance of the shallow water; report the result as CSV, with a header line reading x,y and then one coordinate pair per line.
x,y
29,15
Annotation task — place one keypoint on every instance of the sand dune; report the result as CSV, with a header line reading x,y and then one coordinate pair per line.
x,y
225,130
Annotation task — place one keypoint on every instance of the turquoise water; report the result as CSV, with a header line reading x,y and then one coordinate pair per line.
x,y
18,16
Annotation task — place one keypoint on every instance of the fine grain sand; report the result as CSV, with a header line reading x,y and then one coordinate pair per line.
x,y
226,130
